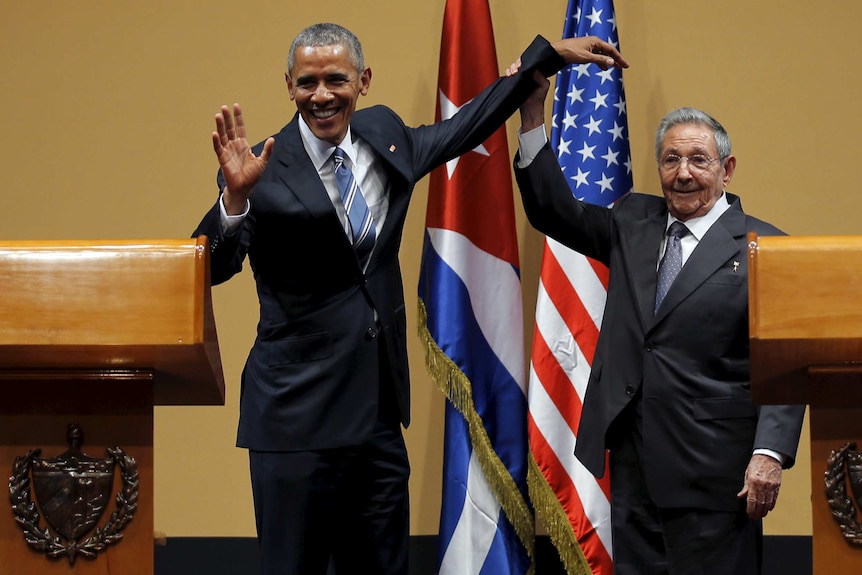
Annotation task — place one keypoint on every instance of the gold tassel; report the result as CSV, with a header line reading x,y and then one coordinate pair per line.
x,y
554,517
457,389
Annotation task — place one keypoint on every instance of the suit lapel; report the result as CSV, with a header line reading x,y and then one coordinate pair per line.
x,y
714,250
642,262
296,171
393,150
371,125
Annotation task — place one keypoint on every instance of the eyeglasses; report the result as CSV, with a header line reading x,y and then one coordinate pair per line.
x,y
672,162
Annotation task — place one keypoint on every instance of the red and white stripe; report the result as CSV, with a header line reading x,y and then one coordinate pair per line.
x,y
571,299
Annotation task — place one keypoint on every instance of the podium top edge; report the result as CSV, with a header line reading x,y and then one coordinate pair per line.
x,y
850,242
143,243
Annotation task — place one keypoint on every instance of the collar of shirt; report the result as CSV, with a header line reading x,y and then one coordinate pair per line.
x,y
697,228
367,170
320,151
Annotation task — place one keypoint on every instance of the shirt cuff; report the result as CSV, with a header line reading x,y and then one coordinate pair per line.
x,y
530,144
230,224
770,453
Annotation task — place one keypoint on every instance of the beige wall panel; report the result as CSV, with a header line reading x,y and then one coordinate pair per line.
x,y
108,109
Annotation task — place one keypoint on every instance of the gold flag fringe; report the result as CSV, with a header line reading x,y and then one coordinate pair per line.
x,y
456,387
554,518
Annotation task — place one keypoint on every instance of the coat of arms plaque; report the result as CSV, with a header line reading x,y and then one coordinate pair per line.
x,y
845,466
73,491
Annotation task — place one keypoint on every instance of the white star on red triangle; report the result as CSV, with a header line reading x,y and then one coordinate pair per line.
x,y
447,110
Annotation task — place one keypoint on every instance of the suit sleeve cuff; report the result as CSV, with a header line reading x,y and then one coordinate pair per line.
x,y
530,143
230,224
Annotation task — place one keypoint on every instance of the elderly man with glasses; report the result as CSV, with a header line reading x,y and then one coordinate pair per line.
x,y
694,464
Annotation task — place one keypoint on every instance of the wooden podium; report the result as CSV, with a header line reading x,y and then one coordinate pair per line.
x,y
95,334
805,321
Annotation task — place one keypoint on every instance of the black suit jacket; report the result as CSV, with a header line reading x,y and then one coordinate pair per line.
x,y
313,375
689,360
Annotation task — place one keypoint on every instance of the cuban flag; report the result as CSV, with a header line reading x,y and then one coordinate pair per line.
x,y
471,324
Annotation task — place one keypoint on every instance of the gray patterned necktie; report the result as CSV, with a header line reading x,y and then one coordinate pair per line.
x,y
671,263
362,234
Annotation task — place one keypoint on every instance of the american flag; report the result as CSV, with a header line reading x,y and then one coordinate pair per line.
x,y
471,324
590,135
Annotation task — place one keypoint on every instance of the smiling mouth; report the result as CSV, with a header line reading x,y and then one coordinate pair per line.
x,y
324,114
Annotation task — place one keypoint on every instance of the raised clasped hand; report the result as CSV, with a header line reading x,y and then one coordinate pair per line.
x,y
582,50
590,50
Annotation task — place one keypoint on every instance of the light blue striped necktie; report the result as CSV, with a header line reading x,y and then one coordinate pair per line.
x,y
362,234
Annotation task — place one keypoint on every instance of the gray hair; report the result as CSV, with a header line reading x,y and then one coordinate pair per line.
x,y
327,34
693,116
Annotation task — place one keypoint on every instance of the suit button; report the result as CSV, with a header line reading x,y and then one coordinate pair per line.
x,y
370,334
649,346
630,390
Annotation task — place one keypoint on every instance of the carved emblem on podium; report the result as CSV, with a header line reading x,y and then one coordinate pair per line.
x,y
845,466
73,491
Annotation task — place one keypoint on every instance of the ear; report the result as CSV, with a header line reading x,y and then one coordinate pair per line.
x,y
290,87
729,168
365,81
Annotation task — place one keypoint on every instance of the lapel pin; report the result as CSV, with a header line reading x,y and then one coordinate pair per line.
x,y
735,266
392,148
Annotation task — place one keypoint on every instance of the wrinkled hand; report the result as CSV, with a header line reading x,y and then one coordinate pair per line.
x,y
513,67
240,167
762,481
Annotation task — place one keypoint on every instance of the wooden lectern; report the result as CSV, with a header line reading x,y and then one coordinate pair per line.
x,y
96,333
805,321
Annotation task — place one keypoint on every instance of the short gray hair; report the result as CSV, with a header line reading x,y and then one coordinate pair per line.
x,y
327,34
693,116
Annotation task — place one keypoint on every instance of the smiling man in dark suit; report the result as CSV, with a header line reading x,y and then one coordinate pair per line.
x,y
319,210
694,464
